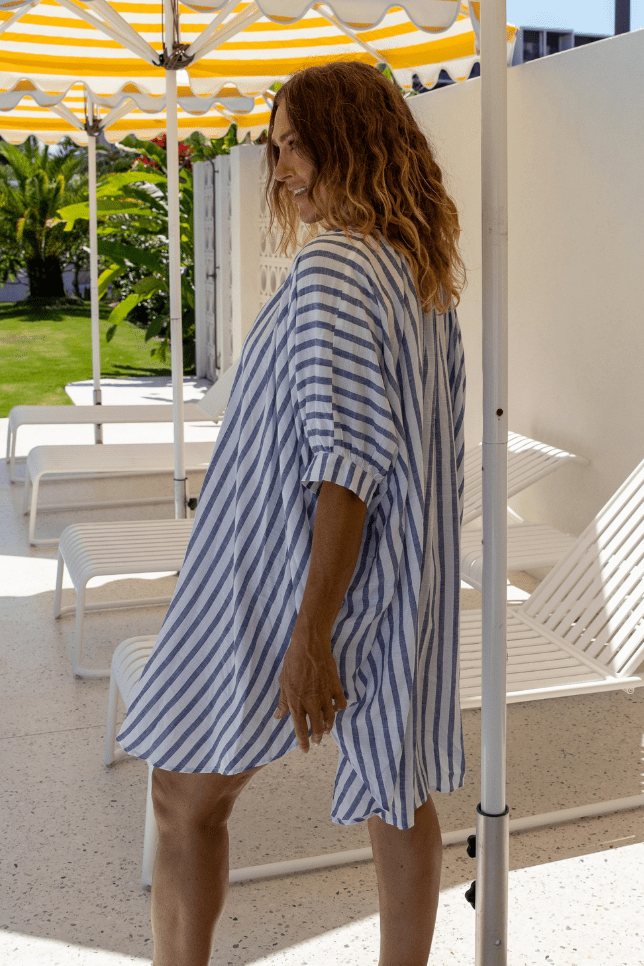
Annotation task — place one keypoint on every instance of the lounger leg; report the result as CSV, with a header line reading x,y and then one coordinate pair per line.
x,y
12,458
25,495
33,511
110,730
150,837
59,585
77,647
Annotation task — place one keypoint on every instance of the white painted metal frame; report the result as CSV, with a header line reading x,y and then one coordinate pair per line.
x,y
174,274
93,276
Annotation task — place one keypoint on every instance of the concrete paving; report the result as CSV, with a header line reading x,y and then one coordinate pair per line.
x,y
73,829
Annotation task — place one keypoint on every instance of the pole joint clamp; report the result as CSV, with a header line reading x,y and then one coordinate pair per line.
x,y
177,59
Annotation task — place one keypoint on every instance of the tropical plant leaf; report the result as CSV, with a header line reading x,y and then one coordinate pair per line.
x,y
107,277
120,311
148,286
155,327
121,253
104,207
114,182
147,198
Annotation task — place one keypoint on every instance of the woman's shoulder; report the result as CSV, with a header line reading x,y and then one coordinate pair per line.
x,y
335,247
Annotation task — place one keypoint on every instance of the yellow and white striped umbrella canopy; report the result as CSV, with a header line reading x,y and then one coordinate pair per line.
x,y
50,117
115,45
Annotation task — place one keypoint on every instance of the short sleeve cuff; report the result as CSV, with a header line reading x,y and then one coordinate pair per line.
x,y
342,470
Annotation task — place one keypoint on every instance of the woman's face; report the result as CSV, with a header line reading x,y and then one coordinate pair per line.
x,y
293,170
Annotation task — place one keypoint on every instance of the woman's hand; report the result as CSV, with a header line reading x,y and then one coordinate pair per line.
x,y
309,681
310,685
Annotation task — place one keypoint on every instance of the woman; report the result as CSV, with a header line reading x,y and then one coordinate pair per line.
x,y
320,590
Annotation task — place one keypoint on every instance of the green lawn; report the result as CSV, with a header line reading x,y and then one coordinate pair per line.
x,y
41,350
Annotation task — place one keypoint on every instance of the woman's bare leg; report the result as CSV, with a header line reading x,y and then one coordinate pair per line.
x,y
190,880
408,868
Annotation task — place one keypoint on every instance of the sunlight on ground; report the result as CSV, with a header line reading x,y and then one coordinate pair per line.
x,y
357,943
516,594
42,576
20,950
354,943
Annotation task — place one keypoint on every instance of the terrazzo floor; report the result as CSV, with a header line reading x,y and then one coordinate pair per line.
x,y
73,829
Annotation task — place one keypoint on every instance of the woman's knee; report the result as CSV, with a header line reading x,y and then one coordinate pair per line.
x,y
189,802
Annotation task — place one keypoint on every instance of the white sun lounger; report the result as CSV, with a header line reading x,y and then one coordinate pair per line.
x,y
209,408
581,631
119,549
117,459
115,548
108,460
530,547
528,461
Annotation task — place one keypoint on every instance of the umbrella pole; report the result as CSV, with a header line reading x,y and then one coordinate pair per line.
x,y
93,283
492,830
176,335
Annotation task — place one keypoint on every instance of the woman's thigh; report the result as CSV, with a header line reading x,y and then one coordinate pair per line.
x,y
195,800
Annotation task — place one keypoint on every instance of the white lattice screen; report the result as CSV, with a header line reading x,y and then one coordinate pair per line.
x,y
237,269
273,268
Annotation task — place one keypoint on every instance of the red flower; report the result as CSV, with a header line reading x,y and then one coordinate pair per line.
x,y
185,153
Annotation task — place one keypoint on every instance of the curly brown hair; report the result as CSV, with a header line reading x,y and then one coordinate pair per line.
x,y
356,129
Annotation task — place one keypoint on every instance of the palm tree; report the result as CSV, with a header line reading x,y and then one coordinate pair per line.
x,y
34,184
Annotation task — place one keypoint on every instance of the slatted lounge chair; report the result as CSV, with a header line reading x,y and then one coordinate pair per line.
x,y
581,631
127,666
528,461
108,460
531,546
106,549
119,549
208,408
122,459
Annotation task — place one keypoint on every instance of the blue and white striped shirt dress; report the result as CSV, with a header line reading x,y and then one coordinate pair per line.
x,y
342,378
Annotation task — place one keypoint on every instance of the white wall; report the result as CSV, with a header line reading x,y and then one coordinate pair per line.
x,y
576,265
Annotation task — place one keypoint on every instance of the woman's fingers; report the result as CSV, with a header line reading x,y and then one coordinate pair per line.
x,y
339,700
318,726
310,687
328,715
301,728
282,705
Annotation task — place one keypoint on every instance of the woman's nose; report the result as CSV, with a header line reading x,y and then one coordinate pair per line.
x,y
281,170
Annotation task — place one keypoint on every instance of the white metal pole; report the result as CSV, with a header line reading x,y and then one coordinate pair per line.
x,y
93,277
174,282
492,846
